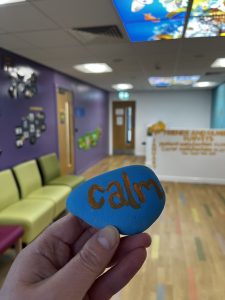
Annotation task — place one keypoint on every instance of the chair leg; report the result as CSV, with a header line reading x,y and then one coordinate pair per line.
x,y
18,246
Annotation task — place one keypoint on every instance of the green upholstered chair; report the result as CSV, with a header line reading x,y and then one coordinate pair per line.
x,y
49,167
29,180
34,216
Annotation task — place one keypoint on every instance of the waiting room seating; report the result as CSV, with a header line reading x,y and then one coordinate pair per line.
x,y
34,216
49,167
39,205
29,180
9,236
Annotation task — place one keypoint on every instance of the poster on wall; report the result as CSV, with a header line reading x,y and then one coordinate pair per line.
x,y
80,112
31,127
90,139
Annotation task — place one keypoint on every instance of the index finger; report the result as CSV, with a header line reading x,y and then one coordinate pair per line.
x,y
68,229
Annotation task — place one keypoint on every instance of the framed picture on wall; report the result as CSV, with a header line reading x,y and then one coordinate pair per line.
x,y
41,115
26,135
37,122
31,117
18,131
80,112
25,124
19,143
43,127
38,133
32,128
32,139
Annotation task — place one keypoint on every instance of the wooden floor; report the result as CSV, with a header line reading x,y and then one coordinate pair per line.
x,y
187,258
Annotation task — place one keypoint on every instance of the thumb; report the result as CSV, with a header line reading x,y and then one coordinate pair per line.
x,y
81,272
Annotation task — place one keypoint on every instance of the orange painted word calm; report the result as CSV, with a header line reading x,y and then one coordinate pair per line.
x,y
119,195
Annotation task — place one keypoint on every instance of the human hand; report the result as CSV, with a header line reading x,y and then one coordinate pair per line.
x,y
67,262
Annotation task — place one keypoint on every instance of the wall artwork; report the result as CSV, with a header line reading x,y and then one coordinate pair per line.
x,y
31,128
23,82
90,139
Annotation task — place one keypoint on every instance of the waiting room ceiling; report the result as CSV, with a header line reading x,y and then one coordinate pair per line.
x,y
43,30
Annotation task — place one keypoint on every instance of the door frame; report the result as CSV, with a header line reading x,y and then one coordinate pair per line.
x,y
125,151
71,132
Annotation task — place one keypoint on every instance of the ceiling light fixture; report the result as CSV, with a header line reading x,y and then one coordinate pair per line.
x,y
94,68
173,81
3,2
122,86
203,84
148,20
218,63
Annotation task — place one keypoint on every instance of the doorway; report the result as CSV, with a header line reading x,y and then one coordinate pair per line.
x,y
65,131
123,127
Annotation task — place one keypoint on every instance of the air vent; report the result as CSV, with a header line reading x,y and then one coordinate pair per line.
x,y
214,73
111,31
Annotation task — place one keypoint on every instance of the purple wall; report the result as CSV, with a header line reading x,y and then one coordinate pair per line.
x,y
93,100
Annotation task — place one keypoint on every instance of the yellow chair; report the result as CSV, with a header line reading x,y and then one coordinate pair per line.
x,y
49,167
29,180
34,216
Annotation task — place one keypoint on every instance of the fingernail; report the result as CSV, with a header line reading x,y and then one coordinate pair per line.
x,y
108,237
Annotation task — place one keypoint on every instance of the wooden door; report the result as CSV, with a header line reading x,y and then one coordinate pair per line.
x,y
65,131
123,127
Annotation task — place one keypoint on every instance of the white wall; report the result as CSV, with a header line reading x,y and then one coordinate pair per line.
x,y
178,109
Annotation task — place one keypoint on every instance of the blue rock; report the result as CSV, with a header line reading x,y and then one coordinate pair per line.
x,y
129,198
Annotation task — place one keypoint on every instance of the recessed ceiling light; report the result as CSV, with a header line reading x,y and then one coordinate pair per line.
x,y
160,81
203,84
122,86
94,68
2,2
219,63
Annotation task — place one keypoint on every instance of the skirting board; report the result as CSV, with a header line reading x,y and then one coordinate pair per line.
x,y
186,179
191,179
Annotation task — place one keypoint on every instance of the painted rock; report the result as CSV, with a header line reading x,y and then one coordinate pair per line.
x,y
129,198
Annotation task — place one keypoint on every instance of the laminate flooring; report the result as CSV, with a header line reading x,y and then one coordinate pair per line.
x,y
186,260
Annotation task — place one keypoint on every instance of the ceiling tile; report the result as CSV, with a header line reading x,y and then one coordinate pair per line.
x,y
11,42
23,17
49,38
115,51
2,30
193,64
78,53
72,13
163,48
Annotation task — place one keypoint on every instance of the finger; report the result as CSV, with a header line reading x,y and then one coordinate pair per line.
x,y
52,249
85,236
67,229
116,278
130,243
88,264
